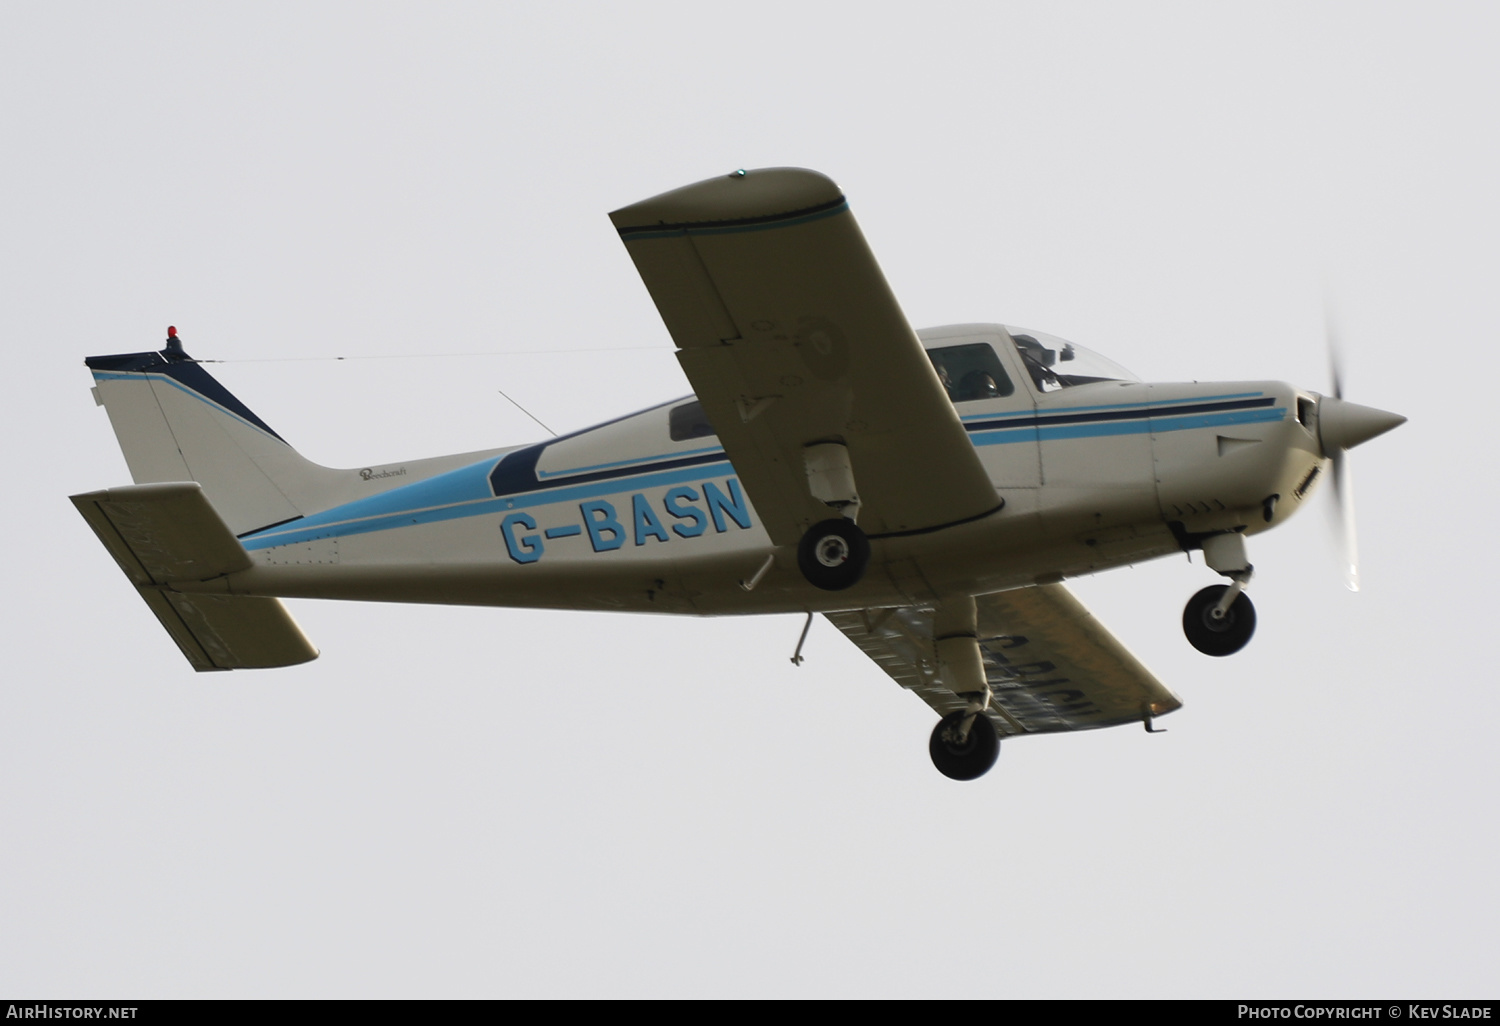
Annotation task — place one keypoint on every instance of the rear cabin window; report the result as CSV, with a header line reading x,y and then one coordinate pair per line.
x,y
971,372
688,421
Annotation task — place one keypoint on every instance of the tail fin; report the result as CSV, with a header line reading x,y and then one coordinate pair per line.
x,y
175,422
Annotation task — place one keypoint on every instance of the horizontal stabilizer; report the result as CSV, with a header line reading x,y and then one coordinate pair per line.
x,y
162,534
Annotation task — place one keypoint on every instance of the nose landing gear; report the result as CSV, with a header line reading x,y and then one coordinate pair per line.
x,y
1220,619
1216,627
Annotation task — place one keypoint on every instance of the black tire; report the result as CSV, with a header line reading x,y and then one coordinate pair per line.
x,y
967,761
1218,637
833,554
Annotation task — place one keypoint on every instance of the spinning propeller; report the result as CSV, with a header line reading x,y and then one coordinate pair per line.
x,y
1341,426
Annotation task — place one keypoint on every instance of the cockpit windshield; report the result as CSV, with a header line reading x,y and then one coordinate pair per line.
x,y
1054,363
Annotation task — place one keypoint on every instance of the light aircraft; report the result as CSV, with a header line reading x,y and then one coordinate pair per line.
x,y
926,491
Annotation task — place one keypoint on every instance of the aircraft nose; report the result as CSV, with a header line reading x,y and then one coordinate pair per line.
x,y
1343,425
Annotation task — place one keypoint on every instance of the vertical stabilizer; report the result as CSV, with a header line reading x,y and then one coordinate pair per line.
x,y
175,422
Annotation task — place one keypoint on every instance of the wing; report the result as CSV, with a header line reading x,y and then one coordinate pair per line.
x,y
791,337
1050,665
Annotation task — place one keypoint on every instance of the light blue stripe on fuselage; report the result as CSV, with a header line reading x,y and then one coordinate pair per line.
x,y
453,488
1140,426
1145,406
466,492
346,520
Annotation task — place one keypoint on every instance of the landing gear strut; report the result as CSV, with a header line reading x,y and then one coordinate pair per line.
x,y
1219,620
833,554
964,753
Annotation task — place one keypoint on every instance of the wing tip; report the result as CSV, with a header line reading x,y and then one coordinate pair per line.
x,y
741,199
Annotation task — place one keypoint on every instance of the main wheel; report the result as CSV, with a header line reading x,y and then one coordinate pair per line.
x,y
1223,636
833,554
969,760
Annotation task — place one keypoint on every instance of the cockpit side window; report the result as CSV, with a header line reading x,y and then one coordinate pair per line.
x,y
971,372
1054,363
688,421
1039,361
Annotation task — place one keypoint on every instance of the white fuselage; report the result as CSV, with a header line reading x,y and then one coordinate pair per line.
x,y
646,514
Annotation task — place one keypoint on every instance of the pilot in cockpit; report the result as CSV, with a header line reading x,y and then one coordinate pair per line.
x,y
944,378
977,384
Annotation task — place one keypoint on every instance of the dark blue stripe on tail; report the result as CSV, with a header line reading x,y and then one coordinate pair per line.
x,y
187,373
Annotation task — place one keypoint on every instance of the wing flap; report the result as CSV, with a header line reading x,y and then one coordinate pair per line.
x,y
1050,664
791,337
166,534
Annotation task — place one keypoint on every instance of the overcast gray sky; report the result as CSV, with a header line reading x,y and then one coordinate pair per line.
x,y
505,802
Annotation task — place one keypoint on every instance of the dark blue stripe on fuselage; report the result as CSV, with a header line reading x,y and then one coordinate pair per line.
x,y
1045,420
516,473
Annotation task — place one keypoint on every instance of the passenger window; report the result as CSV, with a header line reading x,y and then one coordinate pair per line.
x,y
687,421
971,372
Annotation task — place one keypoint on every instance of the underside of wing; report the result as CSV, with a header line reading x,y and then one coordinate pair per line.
x,y
801,356
1050,665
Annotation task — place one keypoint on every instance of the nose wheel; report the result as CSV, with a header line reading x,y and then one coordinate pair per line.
x,y
833,554
1216,627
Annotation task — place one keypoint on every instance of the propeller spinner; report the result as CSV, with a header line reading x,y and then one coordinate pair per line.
x,y
1341,426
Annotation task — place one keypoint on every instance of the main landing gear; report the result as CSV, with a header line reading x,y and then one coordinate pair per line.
x,y
833,554
1220,619
964,745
